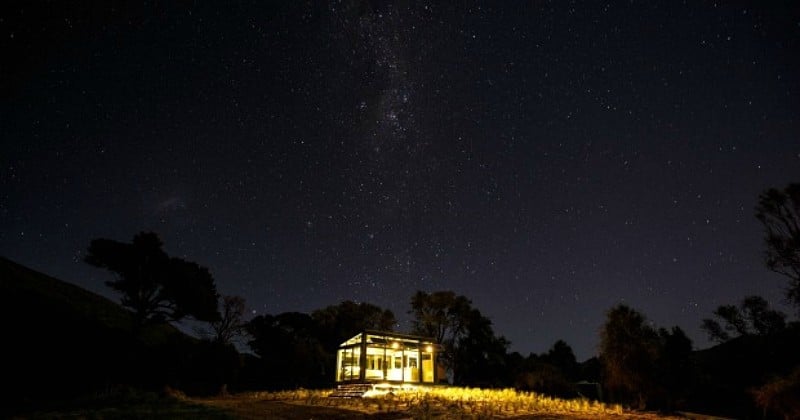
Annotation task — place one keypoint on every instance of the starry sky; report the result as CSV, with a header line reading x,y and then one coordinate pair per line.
x,y
545,159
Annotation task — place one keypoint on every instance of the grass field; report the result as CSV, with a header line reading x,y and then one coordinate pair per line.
x,y
432,403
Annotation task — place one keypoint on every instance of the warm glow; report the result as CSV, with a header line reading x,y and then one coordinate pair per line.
x,y
459,402
399,359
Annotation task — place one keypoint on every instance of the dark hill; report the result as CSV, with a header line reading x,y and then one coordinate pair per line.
x,y
64,341
729,371
22,286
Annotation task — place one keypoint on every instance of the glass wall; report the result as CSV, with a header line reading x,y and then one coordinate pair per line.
x,y
348,361
392,357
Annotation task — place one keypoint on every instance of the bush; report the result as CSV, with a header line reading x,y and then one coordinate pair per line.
x,y
780,396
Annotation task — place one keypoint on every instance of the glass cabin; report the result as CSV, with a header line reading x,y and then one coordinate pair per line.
x,y
380,356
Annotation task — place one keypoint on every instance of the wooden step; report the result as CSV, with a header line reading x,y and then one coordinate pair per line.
x,y
350,390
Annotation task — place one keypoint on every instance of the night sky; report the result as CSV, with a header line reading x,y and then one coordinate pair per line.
x,y
545,159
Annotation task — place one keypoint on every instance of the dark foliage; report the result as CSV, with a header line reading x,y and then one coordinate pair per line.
x,y
441,315
552,381
156,287
337,323
644,366
780,396
553,373
779,212
546,379
715,331
674,368
591,369
473,354
628,348
207,368
289,350
479,355
753,316
562,357
726,373
231,324
70,343
299,350
762,319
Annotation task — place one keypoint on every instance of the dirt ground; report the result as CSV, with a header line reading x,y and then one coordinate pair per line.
x,y
280,410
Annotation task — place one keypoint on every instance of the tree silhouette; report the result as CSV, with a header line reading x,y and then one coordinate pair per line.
x,y
779,212
337,323
289,350
553,373
562,357
479,355
190,290
473,354
753,316
441,315
674,364
231,323
715,331
763,320
629,350
644,365
733,318
298,349
154,286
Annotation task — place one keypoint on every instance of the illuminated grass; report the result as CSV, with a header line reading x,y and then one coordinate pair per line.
x,y
455,403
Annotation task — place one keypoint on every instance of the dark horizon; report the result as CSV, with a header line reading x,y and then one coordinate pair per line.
x,y
546,161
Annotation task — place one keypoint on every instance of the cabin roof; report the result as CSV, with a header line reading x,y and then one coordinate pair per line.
x,y
376,336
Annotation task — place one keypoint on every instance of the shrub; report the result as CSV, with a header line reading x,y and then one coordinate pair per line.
x,y
780,396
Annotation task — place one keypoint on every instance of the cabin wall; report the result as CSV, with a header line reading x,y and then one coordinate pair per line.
x,y
376,358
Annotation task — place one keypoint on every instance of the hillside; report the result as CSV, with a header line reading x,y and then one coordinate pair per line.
x,y
35,294
729,371
65,341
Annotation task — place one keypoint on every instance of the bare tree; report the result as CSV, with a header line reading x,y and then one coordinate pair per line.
x,y
231,324
779,212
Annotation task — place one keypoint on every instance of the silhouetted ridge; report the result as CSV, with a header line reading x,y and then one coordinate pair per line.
x,y
65,341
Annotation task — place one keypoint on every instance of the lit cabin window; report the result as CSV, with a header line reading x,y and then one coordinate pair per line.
x,y
373,356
